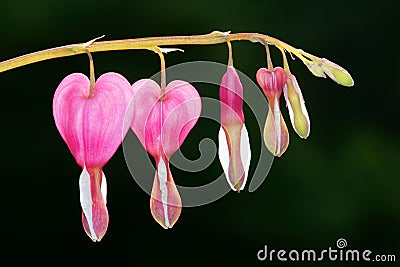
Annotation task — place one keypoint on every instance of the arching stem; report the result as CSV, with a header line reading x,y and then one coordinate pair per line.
x,y
148,43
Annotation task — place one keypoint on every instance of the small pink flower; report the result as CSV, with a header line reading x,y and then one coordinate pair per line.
x,y
276,135
162,122
93,129
234,147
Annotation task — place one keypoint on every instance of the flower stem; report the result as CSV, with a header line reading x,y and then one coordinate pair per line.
x,y
285,62
92,75
230,56
163,75
148,43
269,61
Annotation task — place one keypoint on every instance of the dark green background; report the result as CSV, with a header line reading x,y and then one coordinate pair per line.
x,y
342,182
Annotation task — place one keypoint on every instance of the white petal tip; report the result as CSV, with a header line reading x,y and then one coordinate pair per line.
x,y
223,153
86,200
245,153
162,177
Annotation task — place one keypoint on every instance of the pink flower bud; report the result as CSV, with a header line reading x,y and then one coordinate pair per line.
x,y
234,147
276,135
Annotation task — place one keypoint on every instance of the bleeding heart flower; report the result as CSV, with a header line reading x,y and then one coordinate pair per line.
x,y
91,123
162,122
234,147
276,135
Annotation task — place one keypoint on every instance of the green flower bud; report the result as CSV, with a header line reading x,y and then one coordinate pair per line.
x,y
336,73
297,109
316,69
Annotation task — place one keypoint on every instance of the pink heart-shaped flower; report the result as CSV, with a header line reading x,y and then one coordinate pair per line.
x,y
93,129
162,122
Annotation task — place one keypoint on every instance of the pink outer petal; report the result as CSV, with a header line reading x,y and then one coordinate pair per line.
x,y
162,125
68,105
91,127
181,110
231,94
271,82
146,94
103,128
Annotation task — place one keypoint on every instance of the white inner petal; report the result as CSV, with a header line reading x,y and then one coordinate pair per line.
x,y
162,177
277,120
104,188
245,153
86,199
223,154
329,73
289,106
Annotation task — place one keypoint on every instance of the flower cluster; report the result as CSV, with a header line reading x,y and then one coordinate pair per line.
x,y
93,117
274,81
276,135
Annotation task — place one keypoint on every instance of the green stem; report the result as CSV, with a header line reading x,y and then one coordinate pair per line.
x,y
148,43
285,62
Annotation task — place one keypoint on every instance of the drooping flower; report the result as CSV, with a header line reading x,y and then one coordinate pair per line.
x,y
161,122
276,135
91,123
234,147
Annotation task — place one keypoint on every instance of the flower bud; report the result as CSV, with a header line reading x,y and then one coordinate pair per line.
x,y
276,135
315,69
297,109
336,73
234,147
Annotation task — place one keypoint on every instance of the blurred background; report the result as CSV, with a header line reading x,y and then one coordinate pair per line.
x,y
343,182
